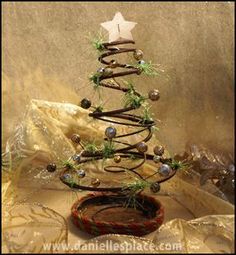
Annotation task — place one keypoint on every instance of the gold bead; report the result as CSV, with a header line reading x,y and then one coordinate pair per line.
x,y
154,95
117,159
159,150
142,147
138,54
75,138
95,182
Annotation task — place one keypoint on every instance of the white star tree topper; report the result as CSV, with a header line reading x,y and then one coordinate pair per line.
x,y
119,28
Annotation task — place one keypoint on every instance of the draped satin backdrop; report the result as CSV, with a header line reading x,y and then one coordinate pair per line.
x,y
47,55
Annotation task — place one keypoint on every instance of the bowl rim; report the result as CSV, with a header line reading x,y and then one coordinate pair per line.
x,y
158,219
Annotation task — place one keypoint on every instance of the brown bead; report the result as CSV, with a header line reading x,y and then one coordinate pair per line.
x,y
154,95
138,54
117,159
75,138
159,150
51,167
85,103
155,187
95,182
142,147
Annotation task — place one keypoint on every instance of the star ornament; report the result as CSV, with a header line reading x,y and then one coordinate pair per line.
x,y
119,28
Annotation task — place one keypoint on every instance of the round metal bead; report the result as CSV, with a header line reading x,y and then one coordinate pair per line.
x,y
159,150
155,187
156,158
154,95
117,159
51,167
95,182
142,147
141,62
164,170
76,158
67,176
110,132
138,54
75,138
81,173
101,70
85,103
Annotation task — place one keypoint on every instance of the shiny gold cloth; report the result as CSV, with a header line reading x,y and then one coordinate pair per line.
x,y
209,234
44,136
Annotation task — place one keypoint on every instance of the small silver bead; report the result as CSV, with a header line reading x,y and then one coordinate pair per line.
x,y
164,170
101,70
110,132
76,158
67,176
81,173
156,158
141,62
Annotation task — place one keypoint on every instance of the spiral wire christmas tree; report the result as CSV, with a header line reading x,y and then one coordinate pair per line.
x,y
121,117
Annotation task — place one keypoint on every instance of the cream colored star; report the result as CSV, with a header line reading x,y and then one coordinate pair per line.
x,y
119,28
